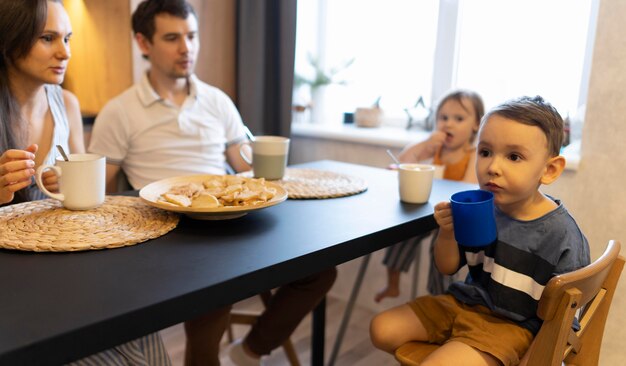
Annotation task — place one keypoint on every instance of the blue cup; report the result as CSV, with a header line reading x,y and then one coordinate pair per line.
x,y
473,218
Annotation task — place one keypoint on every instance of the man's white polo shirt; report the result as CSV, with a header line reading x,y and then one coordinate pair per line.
x,y
152,138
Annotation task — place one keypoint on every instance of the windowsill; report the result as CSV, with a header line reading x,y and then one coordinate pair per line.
x,y
394,137
379,136
571,153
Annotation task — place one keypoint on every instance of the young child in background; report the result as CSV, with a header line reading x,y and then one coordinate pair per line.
x,y
458,116
490,319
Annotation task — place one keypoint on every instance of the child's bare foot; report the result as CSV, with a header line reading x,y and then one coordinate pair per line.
x,y
388,291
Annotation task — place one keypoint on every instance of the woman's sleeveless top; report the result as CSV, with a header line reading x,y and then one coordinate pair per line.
x,y
455,171
60,136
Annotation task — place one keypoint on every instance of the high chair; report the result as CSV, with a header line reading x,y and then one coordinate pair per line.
x,y
589,289
250,317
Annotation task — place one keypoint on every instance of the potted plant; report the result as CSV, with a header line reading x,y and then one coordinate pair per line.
x,y
320,78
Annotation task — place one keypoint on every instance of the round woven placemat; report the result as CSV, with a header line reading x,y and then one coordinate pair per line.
x,y
45,226
313,183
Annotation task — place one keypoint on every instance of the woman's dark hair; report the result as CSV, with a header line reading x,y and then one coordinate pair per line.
x,y
143,17
21,23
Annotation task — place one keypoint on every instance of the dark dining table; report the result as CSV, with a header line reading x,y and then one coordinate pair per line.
x,y
59,307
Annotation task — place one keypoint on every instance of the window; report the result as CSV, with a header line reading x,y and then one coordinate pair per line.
x,y
391,42
513,48
404,49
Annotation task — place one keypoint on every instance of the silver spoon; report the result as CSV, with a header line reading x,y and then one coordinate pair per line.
x,y
60,148
249,133
393,157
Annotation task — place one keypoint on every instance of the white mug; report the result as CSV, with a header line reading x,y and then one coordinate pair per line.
x,y
415,182
269,156
81,181
439,170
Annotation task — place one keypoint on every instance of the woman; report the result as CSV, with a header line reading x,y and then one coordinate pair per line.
x,y
35,112
35,115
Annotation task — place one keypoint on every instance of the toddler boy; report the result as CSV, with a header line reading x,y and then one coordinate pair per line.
x,y
490,319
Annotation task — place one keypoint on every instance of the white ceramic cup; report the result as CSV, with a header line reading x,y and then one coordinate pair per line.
x,y
269,156
415,182
81,181
439,170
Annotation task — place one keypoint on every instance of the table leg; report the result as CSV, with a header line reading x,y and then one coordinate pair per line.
x,y
349,307
318,334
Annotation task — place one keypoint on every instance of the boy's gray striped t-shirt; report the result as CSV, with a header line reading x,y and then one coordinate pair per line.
x,y
509,276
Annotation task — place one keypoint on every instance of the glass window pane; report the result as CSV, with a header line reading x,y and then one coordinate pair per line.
x,y
509,48
392,43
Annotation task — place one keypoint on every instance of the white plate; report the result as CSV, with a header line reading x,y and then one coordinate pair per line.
x,y
151,193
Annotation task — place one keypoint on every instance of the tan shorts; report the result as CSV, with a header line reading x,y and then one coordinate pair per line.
x,y
447,319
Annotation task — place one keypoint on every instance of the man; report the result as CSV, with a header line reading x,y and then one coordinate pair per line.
x,y
172,124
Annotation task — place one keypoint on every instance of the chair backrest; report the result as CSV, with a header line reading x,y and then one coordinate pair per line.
x,y
589,291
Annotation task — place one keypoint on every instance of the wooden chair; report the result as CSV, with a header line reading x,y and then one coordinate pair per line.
x,y
249,318
589,289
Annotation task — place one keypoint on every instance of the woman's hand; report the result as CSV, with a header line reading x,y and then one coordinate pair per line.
x,y
17,167
50,181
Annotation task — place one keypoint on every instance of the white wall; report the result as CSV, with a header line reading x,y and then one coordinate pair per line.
x,y
596,193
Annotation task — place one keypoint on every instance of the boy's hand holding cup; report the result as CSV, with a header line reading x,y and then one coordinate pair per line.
x,y
443,216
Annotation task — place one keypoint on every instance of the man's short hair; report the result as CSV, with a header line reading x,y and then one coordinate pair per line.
x,y
534,111
143,17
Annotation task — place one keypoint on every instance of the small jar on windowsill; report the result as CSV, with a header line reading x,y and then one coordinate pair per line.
x,y
368,117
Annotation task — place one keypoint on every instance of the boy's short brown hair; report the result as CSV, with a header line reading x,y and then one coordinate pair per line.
x,y
534,111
